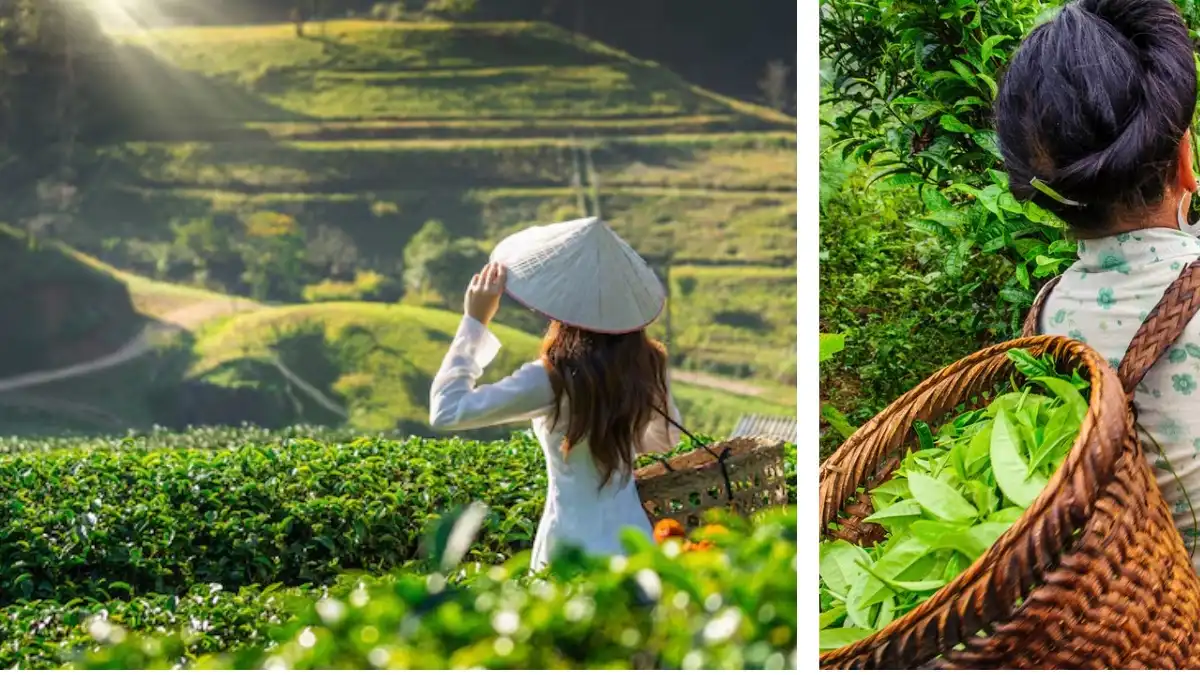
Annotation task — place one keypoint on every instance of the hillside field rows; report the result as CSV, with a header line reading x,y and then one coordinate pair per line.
x,y
373,129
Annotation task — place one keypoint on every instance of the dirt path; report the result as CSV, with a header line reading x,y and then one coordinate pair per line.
x,y
716,382
188,318
312,392
193,316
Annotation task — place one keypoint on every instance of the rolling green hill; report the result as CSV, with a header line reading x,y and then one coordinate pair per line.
x,y
368,130
377,362
171,355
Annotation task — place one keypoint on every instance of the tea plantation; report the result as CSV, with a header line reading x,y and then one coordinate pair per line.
x,y
308,548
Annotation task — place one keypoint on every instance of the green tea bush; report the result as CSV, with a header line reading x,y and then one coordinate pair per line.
x,y
44,634
193,438
883,289
79,523
731,607
913,84
113,519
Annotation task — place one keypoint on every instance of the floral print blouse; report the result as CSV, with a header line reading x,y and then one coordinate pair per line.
x,y
1101,300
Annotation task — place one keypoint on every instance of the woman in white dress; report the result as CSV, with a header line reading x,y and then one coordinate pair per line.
x,y
598,394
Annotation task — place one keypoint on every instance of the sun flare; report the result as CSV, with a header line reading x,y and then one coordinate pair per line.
x,y
122,15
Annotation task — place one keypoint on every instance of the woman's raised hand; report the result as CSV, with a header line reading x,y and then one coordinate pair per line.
x,y
483,293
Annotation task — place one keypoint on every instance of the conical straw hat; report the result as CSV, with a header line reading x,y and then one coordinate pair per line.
x,y
582,274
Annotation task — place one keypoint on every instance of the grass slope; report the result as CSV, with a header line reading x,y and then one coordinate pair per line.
x,y
379,360
54,310
374,128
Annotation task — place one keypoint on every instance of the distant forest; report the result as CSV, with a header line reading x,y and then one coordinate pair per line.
x,y
725,45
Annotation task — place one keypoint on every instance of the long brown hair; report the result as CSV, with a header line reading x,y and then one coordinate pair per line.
x,y
612,384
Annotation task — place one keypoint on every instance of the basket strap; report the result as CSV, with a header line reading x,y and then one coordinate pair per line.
x,y
720,458
1034,316
1162,327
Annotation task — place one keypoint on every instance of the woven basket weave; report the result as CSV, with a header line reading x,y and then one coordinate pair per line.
x,y
1093,575
694,483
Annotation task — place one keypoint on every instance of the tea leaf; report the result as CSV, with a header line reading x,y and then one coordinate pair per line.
x,y
1012,473
938,498
897,515
1066,392
1007,516
896,488
828,618
895,562
833,638
841,565
924,435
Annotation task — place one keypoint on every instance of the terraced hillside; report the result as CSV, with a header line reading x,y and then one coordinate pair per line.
x,y
369,130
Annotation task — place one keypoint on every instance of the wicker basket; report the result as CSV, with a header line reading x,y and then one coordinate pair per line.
x,y
684,487
1093,575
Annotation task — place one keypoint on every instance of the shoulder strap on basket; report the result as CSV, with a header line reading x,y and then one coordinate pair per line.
x,y
720,458
1034,317
1162,327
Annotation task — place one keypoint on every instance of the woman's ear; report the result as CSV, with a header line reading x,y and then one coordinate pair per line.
x,y
1186,180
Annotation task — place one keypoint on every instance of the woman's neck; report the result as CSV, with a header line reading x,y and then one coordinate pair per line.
x,y
1162,215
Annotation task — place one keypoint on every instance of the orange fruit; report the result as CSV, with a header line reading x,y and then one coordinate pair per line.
x,y
666,529
708,531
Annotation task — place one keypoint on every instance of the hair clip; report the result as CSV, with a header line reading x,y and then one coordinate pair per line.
x,y
1040,185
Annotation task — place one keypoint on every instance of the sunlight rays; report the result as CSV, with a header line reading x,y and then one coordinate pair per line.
x,y
120,16
135,16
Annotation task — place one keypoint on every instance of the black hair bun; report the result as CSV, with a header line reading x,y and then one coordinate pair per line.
x,y
1095,103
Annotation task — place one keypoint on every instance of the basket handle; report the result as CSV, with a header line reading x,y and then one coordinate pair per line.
x,y
720,458
1034,317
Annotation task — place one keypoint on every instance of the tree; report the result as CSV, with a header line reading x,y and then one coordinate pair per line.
x,y
775,85
450,9
302,12
449,273
48,100
273,253
332,250
206,247
428,243
388,11
433,261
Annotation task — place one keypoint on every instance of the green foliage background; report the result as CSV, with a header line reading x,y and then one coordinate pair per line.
x,y
925,255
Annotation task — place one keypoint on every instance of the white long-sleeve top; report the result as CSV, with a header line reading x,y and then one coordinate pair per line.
x,y
578,511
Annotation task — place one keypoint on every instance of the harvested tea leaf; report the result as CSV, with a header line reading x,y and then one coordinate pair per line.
x,y
832,638
950,500
938,498
1011,470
